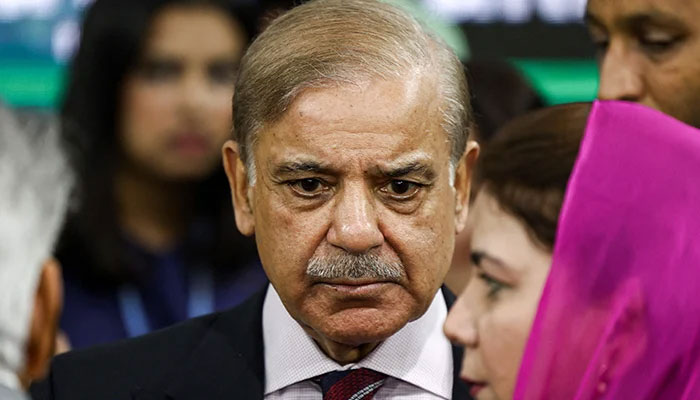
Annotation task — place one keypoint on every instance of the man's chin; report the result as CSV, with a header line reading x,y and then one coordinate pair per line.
x,y
360,326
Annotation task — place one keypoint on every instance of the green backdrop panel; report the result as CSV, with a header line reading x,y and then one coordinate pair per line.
x,y
40,84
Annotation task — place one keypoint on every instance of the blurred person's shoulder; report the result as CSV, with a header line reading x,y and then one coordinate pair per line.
x,y
179,359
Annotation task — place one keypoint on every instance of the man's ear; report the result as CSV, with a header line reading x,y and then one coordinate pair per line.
x,y
241,193
48,303
463,181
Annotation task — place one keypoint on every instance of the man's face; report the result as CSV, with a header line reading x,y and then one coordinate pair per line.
x,y
649,53
353,210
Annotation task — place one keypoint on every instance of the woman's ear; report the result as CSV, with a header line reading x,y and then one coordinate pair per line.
x,y
241,192
41,341
463,181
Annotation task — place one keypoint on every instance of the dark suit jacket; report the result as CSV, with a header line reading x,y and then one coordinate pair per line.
x,y
215,357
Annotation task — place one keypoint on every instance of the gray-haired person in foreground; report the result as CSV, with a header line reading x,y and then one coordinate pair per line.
x,y
351,164
35,181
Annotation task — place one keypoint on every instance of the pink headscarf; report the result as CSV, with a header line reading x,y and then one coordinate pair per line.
x,y
620,314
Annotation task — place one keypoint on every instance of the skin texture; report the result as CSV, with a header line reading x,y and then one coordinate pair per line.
x,y
48,303
649,52
460,271
176,103
493,315
355,134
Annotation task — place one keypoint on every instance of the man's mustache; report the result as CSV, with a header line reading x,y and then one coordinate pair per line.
x,y
354,266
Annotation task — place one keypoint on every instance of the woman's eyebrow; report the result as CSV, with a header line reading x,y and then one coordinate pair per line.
x,y
492,260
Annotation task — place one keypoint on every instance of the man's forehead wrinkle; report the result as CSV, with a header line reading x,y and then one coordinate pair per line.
x,y
308,110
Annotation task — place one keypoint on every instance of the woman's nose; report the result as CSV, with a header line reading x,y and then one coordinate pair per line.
x,y
459,326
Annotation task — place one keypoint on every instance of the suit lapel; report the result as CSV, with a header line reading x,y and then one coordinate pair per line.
x,y
227,363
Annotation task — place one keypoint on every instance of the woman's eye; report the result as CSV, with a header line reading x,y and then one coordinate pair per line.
x,y
159,70
222,73
401,189
308,187
493,285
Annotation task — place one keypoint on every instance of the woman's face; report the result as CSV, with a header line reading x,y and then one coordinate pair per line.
x,y
493,315
176,103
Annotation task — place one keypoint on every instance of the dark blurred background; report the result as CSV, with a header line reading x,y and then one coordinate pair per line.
x,y
544,39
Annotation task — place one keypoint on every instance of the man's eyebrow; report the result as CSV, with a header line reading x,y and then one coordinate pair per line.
x,y
292,167
651,17
414,167
589,18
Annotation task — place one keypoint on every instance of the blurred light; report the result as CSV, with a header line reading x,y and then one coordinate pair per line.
x,y
514,11
82,3
15,9
561,10
65,39
518,11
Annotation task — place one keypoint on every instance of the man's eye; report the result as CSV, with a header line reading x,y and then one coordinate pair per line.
x,y
601,45
494,285
599,38
308,186
401,189
657,45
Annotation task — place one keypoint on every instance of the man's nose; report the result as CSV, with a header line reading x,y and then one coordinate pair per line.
x,y
459,326
355,226
621,75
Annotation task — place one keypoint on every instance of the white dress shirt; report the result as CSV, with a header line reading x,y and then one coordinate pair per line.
x,y
417,359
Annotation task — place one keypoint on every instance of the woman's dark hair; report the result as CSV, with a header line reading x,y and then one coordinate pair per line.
x,y
112,41
527,165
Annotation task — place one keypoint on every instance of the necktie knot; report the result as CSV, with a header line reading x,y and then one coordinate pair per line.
x,y
354,384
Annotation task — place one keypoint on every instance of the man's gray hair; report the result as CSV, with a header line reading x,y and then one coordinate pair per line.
x,y
326,43
35,181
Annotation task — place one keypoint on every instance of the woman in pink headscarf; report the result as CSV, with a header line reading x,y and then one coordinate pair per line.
x,y
610,252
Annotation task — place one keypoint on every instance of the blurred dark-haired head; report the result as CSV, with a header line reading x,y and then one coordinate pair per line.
x,y
142,98
499,94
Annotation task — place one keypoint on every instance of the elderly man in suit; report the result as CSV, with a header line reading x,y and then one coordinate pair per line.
x,y
351,166
34,184
649,53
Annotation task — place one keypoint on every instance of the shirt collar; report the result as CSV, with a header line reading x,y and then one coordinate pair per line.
x,y
419,353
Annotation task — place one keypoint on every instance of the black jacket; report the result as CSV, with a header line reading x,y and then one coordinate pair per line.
x,y
215,357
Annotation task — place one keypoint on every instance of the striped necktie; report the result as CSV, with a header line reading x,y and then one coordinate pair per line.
x,y
354,384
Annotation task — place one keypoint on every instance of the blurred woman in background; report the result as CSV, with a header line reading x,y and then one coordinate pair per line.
x,y
148,106
610,252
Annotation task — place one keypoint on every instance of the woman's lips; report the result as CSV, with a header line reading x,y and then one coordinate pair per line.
x,y
474,386
475,389
190,143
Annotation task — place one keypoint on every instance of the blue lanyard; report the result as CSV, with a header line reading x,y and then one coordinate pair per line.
x,y
133,312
